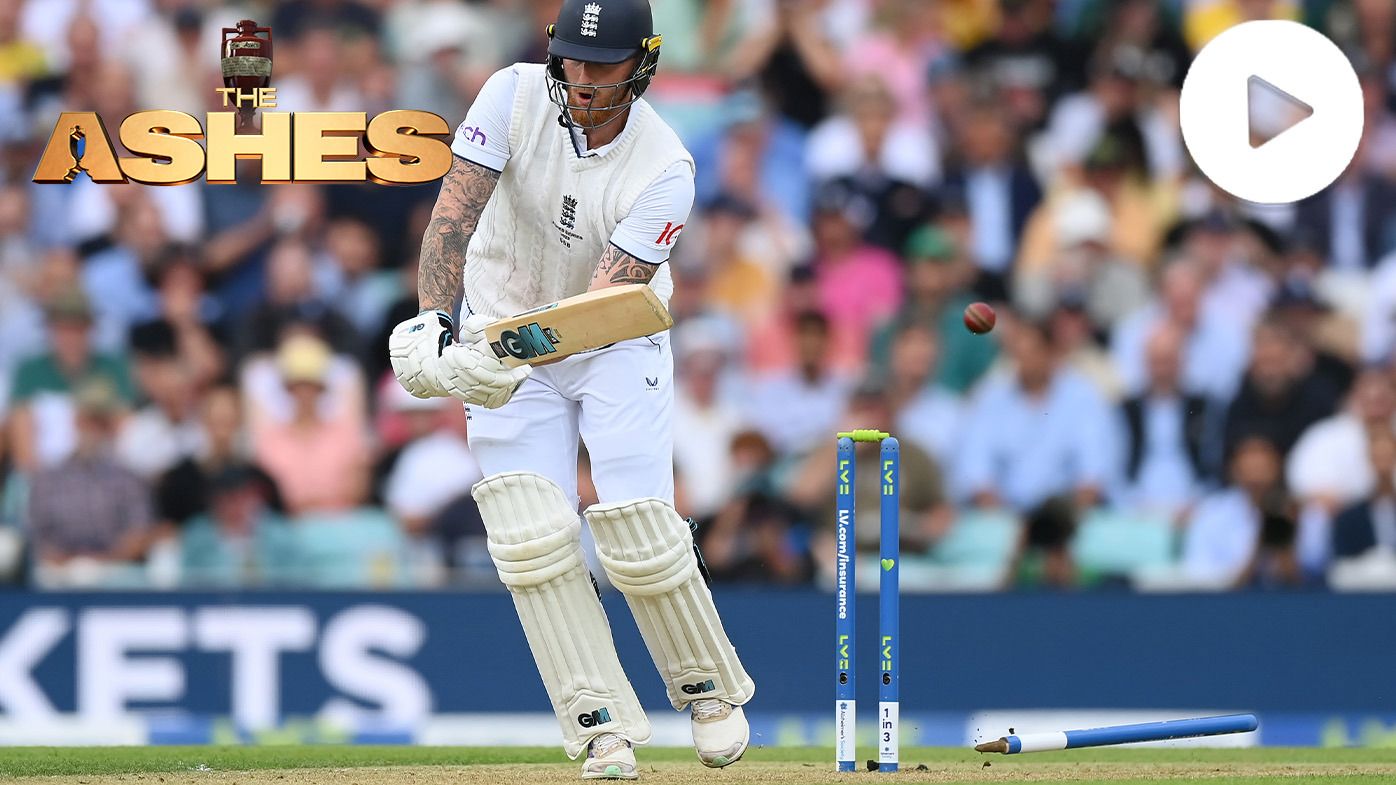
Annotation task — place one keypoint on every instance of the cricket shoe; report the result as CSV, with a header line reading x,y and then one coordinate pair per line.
x,y
609,757
720,732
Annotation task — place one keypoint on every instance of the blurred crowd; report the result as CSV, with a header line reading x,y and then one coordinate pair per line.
x,y
1183,390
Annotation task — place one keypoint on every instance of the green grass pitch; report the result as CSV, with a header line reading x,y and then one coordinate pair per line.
x,y
353,765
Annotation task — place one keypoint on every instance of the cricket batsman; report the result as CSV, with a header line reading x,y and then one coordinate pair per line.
x,y
564,180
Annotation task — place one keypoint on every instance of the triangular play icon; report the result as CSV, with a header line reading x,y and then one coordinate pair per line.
x,y
1271,111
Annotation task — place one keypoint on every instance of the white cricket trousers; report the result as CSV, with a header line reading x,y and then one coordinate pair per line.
x,y
619,400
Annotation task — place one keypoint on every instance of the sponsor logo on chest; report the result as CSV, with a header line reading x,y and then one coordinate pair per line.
x,y
566,222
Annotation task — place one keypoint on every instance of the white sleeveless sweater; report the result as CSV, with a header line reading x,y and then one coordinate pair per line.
x,y
552,214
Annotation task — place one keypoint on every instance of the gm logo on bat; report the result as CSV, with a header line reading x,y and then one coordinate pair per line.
x,y
529,341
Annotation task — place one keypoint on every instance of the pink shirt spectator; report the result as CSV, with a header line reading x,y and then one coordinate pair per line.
x,y
317,466
902,69
858,292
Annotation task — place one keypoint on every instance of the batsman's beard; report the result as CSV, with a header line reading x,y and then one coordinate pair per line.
x,y
601,107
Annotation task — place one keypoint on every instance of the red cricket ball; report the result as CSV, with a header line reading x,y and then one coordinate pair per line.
x,y
979,318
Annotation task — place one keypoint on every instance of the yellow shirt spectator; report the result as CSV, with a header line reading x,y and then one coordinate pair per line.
x,y
966,23
20,60
1206,19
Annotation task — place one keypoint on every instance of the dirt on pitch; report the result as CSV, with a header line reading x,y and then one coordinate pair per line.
x,y
745,774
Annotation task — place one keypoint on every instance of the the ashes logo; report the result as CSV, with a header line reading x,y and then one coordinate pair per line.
x,y
402,147
591,14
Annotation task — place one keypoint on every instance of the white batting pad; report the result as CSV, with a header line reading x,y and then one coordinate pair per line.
x,y
535,540
647,550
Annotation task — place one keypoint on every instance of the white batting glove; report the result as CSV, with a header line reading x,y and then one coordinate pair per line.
x,y
472,330
473,374
429,363
415,348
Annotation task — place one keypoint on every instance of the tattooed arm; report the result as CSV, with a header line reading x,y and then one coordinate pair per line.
x,y
464,192
618,267
427,358
649,229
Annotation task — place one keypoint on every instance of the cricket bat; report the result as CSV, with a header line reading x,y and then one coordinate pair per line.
x,y
578,324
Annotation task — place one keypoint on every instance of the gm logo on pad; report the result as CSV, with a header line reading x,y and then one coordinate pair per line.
x,y
593,718
699,688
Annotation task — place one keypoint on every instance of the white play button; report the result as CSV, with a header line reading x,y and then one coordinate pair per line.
x,y
1271,111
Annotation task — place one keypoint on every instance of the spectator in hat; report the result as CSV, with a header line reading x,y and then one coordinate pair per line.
x,y
42,425
1084,267
860,285
319,456
1140,207
938,273
241,541
87,512
890,162
967,23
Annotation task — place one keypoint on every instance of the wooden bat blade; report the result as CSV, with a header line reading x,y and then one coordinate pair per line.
x,y
578,324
